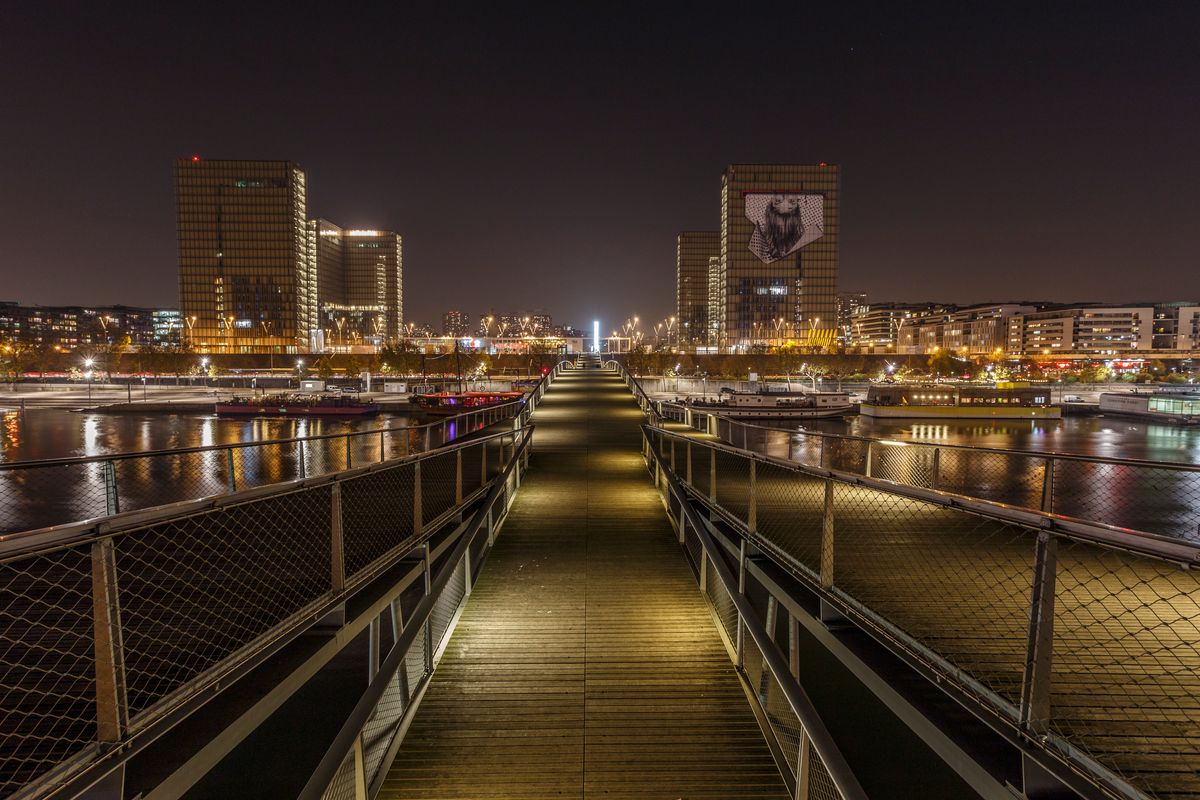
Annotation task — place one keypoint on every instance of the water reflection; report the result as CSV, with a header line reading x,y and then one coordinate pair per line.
x,y
1096,436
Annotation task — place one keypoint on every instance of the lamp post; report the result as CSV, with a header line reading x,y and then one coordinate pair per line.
x,y
87,363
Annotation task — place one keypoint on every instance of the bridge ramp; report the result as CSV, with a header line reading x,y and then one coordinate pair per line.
x,y
586,663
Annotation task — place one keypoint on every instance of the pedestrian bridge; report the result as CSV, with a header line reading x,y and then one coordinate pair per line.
x,y
530,613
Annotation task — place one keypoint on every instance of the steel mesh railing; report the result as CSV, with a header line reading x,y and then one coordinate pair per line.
x,y
355,764
108,628
1083,639
788,716
1155,497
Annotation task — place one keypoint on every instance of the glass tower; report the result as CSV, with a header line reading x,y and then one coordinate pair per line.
x,y
778,255
692,252
247,276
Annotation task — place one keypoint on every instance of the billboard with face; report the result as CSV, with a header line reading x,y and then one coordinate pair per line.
x,y
784,222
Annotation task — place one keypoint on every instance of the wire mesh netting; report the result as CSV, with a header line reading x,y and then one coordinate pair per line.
x,y
447,604
1125,676
342,787
820,784
193,590
733,483
941,576
377,515
790,512
1144,498
47,656
437,485
36,495
722,603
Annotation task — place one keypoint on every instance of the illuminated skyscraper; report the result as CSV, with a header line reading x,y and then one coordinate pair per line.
x,y
360,289
246,274
692,252
779,255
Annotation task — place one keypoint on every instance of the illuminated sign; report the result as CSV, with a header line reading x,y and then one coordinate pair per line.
x,y
784,222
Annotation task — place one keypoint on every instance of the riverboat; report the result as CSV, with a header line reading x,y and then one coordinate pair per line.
x,y
1176,408
777,405
441,404
296,405
1003,400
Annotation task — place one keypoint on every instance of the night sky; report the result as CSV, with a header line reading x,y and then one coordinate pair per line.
x,y
536,158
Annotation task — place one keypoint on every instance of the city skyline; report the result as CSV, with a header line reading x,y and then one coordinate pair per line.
x,y
981,172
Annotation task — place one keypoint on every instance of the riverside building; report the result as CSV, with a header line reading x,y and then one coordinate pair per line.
x,y
247,279
693,251
776,276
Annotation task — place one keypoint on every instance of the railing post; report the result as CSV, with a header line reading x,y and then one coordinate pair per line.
x,y
229,468
794,645
417,524
483,463
688,476
1035,688
1048,485
337,578
870,450
741,629
712,475
771,622
382,450
112,707
428,622
672,455
373,649
112,502
458,486
827,537
936,468
360,770
303,466
348,450
752,503
803,766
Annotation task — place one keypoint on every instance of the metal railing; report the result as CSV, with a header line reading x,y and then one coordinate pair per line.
x,y
1079,643
35,494
115,628
810,761
356,763
1152,496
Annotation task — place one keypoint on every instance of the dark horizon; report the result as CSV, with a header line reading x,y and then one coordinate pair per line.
x,y
550,160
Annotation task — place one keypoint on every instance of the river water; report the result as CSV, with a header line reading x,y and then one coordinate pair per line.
x,y
1110,437
54,433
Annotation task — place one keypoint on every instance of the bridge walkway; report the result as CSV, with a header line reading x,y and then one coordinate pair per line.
x,y
586,662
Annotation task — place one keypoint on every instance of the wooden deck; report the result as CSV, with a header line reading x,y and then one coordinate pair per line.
x,y
586,663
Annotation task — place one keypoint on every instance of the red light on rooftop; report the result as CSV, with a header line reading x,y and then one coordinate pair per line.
x,y
822,164
195,158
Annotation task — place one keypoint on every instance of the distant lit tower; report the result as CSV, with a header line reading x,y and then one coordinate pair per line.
x,y
247,278
693,249
454,323
779,254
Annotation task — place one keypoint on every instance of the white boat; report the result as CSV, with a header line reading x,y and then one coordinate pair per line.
x,y
777,405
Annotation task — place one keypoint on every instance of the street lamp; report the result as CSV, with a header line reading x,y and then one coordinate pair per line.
x,y
87,363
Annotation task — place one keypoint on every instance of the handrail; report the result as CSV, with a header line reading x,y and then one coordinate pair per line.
x,y
344,742
515,405
41,540
1130,540
822,741
1057,454
1077,592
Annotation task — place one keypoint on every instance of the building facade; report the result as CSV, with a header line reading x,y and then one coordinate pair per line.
x,y
778,262
73,327
693,250
247,277
456,324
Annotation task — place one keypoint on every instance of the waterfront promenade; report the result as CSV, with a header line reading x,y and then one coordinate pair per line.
x,y
586,662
